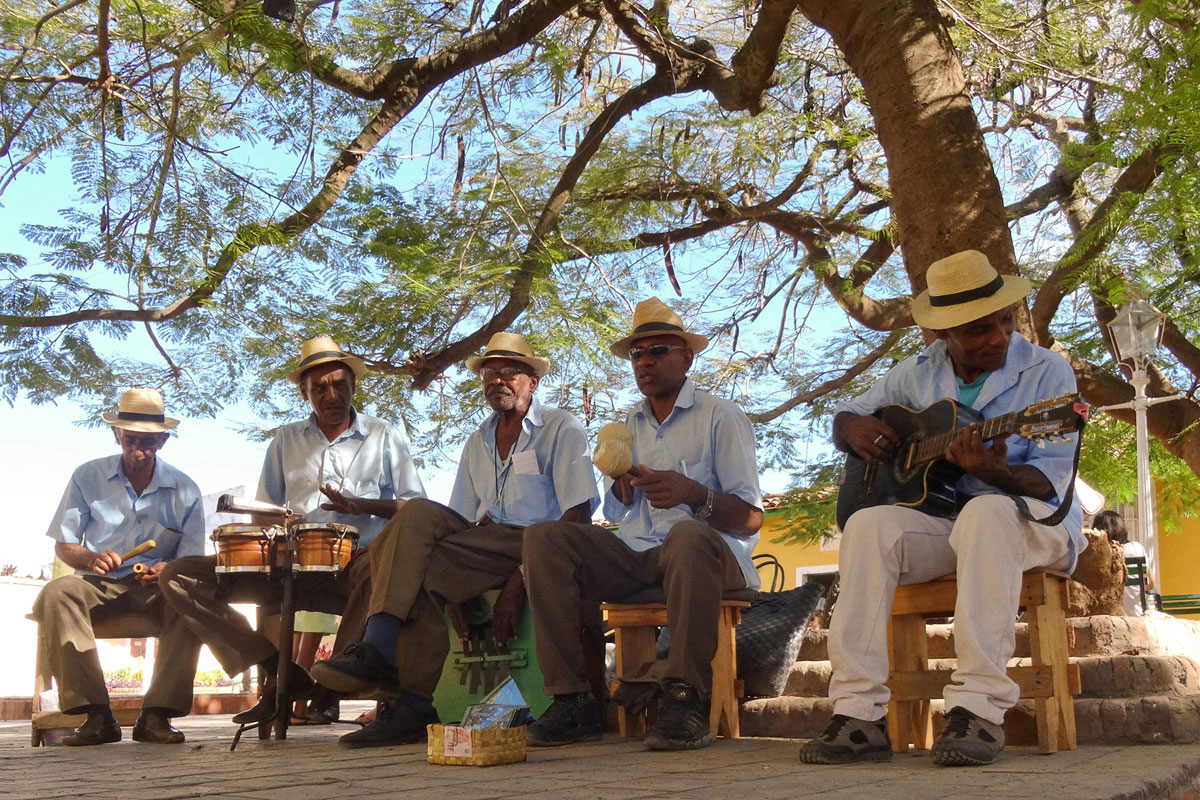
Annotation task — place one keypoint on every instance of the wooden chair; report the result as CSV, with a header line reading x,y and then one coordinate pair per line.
x,y
1135,575
635,631
1050,680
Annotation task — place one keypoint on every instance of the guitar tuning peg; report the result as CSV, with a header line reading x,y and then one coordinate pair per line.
x,y
1041,444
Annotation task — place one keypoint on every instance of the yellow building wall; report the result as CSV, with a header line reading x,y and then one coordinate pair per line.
x,y
1179,557
796,559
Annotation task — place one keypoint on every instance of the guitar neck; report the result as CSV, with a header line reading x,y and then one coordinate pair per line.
x,y
934,447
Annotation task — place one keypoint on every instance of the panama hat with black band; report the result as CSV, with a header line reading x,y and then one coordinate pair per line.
x,y
323,350
140,410
962,288
513,347
653,317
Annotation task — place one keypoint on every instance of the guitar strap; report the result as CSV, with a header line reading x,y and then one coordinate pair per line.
x,y
1065,506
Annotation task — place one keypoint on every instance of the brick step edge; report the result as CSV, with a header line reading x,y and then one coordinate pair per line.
x,y
1100,676
1118,721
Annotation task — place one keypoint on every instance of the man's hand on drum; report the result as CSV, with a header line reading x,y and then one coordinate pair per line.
x,y
105,562
341,503
149,577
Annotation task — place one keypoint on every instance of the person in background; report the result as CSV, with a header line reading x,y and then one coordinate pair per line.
x,y
1113,526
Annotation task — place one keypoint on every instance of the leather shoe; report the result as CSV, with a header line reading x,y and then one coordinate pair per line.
x,y
394,724
96,730
156,727
300,685
360,671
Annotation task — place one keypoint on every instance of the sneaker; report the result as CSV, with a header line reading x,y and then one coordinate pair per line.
x,y
395,723
361,670
570,718
682,722
967,740
846,740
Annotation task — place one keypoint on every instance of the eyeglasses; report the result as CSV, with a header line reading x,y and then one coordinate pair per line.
x,y
654,350
506,373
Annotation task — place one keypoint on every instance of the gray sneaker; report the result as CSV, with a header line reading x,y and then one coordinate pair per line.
x,y
846,740
967,740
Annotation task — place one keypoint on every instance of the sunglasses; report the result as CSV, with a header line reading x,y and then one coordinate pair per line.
x,y
654,350
504,373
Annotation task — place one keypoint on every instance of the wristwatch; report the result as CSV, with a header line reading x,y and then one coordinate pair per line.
x,y
705,511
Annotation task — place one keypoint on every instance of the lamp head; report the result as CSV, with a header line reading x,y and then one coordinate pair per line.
x,y
1136,331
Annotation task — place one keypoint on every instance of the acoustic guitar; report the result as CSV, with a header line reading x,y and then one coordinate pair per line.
x,y
918,476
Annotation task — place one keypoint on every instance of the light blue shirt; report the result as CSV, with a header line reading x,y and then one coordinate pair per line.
x,y
369,459
547,472
1030,374
707,439
100,511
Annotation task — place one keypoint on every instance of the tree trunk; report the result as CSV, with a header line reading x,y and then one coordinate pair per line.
x,y
913,78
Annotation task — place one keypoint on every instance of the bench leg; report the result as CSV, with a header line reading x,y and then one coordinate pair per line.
x,y
723,712
634,647
909,721
1048,645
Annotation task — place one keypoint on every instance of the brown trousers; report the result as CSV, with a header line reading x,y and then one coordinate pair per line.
x,y
428,556
193,590
569,563
65,610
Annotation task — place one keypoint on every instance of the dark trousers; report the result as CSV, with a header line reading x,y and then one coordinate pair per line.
x,y
567,564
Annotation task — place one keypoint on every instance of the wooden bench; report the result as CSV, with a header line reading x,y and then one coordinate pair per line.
x,y
1180,604
635,631
1050,680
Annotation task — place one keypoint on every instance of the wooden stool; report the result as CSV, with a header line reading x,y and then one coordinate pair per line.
x,y
1051,680
634,629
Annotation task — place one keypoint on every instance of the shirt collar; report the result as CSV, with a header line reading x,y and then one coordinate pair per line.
x,y
162,476
685,399
357,427
533,418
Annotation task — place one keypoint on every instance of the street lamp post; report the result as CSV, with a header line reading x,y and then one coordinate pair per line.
x,y
1136,332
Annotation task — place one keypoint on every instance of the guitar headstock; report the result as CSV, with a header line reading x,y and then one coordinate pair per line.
x,y
1052,418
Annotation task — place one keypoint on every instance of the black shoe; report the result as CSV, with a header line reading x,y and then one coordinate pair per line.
x,y
846,740
300,685
395,723
156,727
361,670
682,722
324,707
570,718
96,730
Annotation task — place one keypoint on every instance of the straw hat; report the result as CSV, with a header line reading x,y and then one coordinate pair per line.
x,y
140,410
322,350
511,346
653,317
964,287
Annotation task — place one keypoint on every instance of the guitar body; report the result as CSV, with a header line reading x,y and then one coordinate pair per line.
x,y
927,486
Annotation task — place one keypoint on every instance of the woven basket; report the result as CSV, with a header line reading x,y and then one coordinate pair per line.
x,y
485,747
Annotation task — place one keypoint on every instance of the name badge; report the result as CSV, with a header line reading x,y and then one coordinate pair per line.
x,y
525,463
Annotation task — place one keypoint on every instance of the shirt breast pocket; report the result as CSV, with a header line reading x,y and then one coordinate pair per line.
x,y
699,467
533,495
166,544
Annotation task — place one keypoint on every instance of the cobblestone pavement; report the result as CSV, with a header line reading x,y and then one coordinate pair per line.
x,y
310,765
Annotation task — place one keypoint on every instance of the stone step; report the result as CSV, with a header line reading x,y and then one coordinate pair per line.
x,y
1107,676
1120,720
1160,634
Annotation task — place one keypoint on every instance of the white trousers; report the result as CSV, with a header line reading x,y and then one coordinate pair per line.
x,y
988,546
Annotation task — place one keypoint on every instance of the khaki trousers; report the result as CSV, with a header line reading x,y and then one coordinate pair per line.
x,y
193,590
425,557
569,563
65,610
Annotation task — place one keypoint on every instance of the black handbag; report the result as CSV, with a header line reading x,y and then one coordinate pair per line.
x,y
768,638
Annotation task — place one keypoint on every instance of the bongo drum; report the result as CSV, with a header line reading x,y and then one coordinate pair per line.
x,y
324,546
248,548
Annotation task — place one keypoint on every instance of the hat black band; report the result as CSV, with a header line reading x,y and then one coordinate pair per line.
x,y
503,354
657,326
133,416
325,354
958,298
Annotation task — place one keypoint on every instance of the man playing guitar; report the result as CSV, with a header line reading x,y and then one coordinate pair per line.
x,y
979,361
